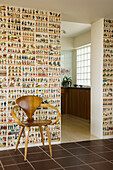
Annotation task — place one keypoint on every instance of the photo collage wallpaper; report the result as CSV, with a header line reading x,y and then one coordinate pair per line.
x,y
108,78
30,57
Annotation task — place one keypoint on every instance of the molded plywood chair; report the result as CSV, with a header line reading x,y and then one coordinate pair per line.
x,y
29,104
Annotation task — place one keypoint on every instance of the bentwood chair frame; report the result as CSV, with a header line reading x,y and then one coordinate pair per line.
x,y
29,105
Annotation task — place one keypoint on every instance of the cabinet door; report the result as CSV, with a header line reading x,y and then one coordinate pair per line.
x,y
74,102
64,101
82,103
87,95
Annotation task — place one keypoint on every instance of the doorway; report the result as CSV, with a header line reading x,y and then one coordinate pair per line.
x,y
75,100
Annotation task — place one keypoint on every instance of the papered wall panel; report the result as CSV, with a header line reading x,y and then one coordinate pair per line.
x,y
108,78
30,54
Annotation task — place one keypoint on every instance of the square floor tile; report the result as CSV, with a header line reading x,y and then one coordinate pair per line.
x,y
98,149
54,147
12,160
9,152
37,156
60,153
87,143
107,142
111,139
90,158
4,153
94,142
102,166
110,146
24,166
69,145
13,152
79,151
82,167
31,149
107,155
69,161
45,165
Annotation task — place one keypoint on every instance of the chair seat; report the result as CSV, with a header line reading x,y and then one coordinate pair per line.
x,y
37,123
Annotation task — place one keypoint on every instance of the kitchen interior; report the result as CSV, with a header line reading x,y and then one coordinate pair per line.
x,y
76,81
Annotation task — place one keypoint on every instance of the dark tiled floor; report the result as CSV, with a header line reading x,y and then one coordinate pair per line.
x,y
87,155
45,165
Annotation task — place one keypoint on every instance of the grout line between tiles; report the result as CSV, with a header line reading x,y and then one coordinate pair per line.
x,y
98,162
75,166
51,158
77,158
89,149
27,160
40,160
55,169
95,144
109,148
15,164
2,165
32,152
100,151
63,157
98,155
9,156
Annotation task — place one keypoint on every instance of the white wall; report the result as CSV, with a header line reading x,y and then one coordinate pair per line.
x,y
67,61
97,79
82,39
71,43
67,43
67,51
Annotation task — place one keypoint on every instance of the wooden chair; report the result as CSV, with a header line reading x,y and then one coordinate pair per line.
x,y
29,104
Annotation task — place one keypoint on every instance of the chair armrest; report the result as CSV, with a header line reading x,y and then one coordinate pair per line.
x,y
15,117
53,107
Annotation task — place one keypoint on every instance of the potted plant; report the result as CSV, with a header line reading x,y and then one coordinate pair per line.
x,y
67,81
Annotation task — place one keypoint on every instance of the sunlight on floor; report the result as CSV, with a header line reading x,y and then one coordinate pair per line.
x,y
75,129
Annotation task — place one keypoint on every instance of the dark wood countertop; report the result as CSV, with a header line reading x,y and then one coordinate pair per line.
x,y
75,87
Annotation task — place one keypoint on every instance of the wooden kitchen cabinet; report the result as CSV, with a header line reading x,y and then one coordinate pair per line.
x,y
64,101
73,101
76,101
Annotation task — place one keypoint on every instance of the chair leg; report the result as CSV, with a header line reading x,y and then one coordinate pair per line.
x,y
41,132
21,130
49,140
26,141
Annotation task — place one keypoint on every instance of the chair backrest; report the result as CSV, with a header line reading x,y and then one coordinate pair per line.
x,y
29,104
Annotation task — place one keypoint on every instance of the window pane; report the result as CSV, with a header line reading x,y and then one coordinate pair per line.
x,y
88,75
78,76
88,69
88,62
88,56
85,49
88,82
83,65
88,49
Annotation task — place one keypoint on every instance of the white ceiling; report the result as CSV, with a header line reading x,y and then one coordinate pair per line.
x,y
73,29
81,11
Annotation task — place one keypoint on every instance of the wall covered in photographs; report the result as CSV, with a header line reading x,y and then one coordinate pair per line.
x,y
108,78
30,53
